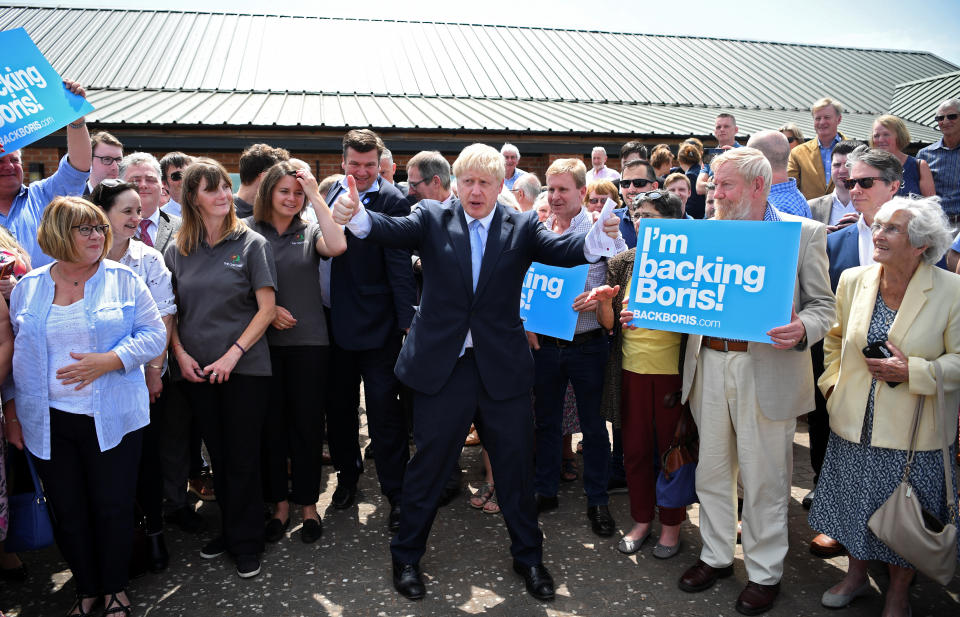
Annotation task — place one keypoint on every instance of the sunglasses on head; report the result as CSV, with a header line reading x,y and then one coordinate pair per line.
x,y
863,182
950,117
638,183
176,176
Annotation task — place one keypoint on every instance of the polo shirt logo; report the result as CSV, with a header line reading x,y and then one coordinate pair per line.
x,y
300,239
234,262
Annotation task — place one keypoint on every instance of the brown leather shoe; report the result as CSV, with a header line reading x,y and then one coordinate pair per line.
x,y
825,547
700,576
473,439
756,598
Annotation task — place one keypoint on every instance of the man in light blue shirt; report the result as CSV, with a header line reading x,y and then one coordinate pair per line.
x,y
943,157
511,156
21,206
784,195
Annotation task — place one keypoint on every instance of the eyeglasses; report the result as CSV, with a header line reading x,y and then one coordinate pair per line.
x,y
414,184
638,183
177,176
863,182
638,215
791,139
86,230
950,117
109,160
112,182
887,229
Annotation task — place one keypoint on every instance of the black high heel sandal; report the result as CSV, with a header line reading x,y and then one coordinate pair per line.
x,y
78,606
114,607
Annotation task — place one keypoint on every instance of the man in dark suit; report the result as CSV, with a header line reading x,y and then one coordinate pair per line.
x,y
370,293
466,356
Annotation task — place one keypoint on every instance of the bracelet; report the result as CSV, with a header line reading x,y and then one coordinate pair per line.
x,y
240,347
159,367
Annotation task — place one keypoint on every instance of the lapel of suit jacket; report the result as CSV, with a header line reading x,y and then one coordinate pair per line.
x,y
497,237
913,300
862,305
163,231
456,226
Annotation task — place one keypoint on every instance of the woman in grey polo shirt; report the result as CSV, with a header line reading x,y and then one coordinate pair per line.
x,y
298,341
225,281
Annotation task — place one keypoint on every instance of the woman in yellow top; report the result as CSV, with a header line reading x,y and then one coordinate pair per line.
x,y
642,375
911,306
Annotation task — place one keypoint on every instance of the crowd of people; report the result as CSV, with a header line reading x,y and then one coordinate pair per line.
x,y
152,310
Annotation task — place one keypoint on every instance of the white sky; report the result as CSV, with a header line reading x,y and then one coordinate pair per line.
x,y
920,25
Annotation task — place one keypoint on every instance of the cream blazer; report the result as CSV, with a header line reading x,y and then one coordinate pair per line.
x,y
926,329
784,379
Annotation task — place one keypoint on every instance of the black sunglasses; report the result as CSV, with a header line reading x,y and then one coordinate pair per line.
x,y
950,117
176,176
638,183
863,182
791,139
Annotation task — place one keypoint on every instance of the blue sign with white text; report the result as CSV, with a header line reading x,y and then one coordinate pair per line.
x,y
33,100
729,279
546,299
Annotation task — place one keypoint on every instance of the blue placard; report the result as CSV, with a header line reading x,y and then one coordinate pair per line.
x,y
729,279
547,296
33,100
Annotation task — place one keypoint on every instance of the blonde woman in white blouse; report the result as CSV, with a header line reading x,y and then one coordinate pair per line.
x,y
121,203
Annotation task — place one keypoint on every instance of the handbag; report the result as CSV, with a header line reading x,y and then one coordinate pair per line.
x,y
30,526
901,522
677,480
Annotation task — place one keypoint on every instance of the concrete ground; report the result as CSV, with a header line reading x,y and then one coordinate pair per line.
x,y
467,568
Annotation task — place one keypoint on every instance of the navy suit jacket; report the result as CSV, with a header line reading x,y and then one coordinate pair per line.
x,y
449,306
843,251
372,289
627,230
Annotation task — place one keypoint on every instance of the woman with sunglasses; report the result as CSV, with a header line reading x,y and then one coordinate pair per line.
x,y
121,203
792,132
84,328
225,281
890,134
598,192
299,342
642,377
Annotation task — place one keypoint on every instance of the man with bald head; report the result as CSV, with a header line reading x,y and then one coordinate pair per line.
x,y
784,194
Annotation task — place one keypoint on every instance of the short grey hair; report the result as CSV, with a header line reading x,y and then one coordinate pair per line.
x,y
774,146
599,149
431,163
885,163
140,158
508,147
529,183
386,155
954,103
928,224
749,162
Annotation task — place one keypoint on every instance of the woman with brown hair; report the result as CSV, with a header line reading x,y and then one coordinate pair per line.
x,y
225,281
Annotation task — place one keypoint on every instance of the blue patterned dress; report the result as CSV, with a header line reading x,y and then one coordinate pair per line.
x,y
858,478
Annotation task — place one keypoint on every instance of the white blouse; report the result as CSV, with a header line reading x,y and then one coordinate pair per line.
x,y
148,264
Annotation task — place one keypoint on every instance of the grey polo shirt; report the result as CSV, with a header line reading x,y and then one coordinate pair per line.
x,y
243,208
216,297
299,282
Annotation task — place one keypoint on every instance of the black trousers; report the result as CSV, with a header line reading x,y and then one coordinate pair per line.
x,y
818,420
294,425
150,478
385,420
92,497
231,416
174,423
440,424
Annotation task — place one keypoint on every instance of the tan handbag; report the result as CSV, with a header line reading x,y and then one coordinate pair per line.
x,y
902,523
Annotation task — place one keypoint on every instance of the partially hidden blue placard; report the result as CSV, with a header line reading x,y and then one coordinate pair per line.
x,y
729,279
547,297
33,100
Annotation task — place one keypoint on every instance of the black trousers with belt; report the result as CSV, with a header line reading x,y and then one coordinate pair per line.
x,y
92,497
231,416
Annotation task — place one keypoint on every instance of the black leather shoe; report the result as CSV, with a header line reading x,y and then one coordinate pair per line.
x,y
275,528
545,504
187,519
538,581
601,521
808,499
159,557
406,580
344,496
311,531
393,523
450,492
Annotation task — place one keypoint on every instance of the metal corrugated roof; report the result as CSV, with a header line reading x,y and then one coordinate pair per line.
x,y
146,107
918,100
176,50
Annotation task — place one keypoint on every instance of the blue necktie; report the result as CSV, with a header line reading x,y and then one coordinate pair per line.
x,y
476,250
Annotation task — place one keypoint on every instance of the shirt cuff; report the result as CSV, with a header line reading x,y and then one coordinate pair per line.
x,y
591,257
360,224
